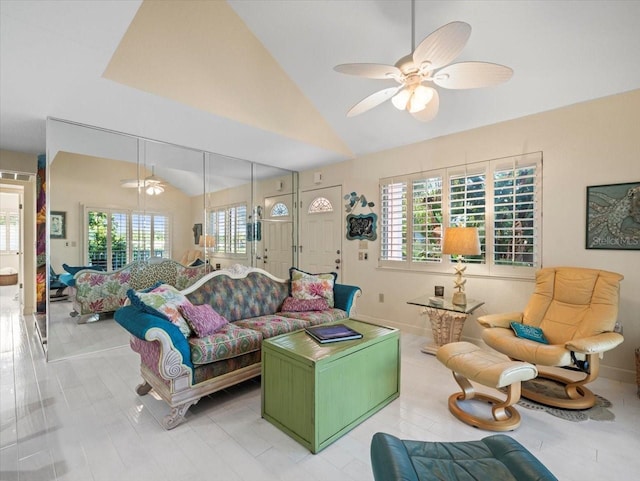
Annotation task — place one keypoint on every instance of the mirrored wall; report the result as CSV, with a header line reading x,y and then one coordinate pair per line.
x,y
114,199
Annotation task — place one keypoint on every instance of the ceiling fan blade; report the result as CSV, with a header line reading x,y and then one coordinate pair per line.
x,y
369,70
471,75
373,100
442,46
430,111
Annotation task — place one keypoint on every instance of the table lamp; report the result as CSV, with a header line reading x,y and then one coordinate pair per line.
x,y
208,242
461,241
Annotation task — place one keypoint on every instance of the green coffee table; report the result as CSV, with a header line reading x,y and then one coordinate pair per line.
x,y
316,393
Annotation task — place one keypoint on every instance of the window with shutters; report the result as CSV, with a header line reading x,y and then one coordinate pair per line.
x,y
116,237
228,226
500,197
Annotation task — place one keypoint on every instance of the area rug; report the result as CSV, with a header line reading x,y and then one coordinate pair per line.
x,y
598,412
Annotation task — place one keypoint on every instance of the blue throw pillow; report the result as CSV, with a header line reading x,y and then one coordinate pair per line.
x,y
529,332
196,263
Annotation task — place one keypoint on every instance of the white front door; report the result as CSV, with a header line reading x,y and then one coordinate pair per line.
x,y
321,217
277,234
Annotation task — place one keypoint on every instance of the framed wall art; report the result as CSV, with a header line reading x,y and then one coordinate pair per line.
x,y
58,225
613,216
197,232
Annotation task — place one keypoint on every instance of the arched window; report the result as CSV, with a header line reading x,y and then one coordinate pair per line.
x,y
279,210
320,205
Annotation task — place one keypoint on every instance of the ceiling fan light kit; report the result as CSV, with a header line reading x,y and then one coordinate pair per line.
x,y
430,63
151,185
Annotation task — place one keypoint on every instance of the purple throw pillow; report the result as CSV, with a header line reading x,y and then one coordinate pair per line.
x,y
203,319
292,304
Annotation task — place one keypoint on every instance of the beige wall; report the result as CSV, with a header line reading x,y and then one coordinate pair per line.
x,y
78,181
586,144
19,162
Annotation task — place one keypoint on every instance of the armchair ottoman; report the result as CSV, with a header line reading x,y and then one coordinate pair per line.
x,y
496,457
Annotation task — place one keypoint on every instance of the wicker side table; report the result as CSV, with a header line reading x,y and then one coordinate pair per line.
x,y
446,320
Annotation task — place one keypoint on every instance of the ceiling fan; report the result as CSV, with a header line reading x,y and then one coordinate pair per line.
x,y
429,63
152,185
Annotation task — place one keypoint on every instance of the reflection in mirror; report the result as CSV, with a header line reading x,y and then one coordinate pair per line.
x,y
226,207
85,170
273,217
128,200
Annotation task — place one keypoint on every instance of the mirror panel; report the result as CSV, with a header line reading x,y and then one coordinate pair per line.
x,y
273,219
101,180
227,203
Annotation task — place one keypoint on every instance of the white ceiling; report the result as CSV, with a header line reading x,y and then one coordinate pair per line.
x,y
53,55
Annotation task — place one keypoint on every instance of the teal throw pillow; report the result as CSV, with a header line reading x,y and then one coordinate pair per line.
x,y
529,332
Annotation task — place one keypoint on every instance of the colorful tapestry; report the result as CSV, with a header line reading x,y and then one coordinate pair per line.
x,y
41,235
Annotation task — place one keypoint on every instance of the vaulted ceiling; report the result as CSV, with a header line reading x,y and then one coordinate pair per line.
x,y
255,79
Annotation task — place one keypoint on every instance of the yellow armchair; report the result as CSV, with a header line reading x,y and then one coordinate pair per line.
x,y
577,309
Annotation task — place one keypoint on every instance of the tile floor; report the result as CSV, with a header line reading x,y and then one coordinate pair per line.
x,y
80,419
68,337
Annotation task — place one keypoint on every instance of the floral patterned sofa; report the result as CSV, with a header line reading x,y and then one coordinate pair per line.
x,y
182,368
96,292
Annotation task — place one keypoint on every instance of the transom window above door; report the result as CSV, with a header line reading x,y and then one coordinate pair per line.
x,y
320,205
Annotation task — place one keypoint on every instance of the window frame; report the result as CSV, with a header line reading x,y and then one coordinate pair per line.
x,y
231,240
11,231
444,263
131,246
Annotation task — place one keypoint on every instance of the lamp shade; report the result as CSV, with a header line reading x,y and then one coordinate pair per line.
x,y
207,241
461,241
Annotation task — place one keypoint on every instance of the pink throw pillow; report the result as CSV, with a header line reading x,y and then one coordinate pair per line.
x,y
203,319
292,304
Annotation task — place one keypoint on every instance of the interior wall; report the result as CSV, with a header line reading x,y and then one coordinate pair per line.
x,y
78,181
21,162
591,143
18,161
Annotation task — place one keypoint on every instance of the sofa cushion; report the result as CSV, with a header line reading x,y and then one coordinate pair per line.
x,y
236,299
317,317
202,319
291,304
274,325
146,273
163,301
312,286
228,342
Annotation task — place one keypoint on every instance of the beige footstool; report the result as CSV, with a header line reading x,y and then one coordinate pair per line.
x,y
471,363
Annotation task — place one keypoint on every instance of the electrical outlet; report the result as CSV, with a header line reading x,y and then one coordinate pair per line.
x,y
381,297
366,256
